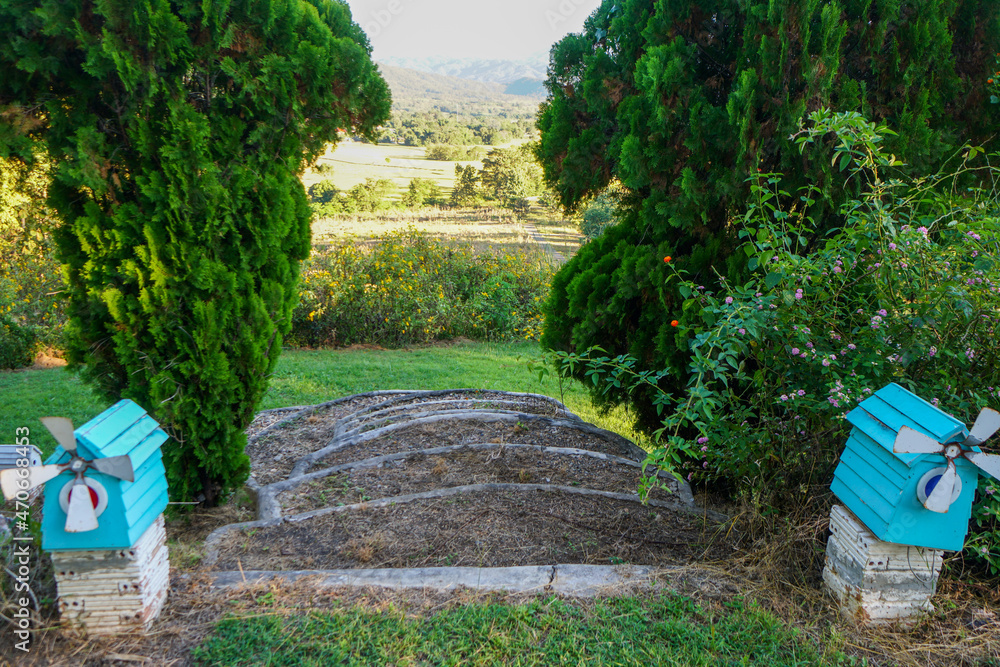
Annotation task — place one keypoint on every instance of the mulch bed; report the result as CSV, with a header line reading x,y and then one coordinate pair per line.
x,y
273,455
422,472
489,529
466,432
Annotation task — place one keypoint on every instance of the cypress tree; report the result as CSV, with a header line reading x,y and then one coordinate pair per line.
x,y
177,133
682,101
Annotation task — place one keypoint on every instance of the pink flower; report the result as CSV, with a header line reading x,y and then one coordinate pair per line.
x,y
795,351
702,441
704,448
742,331
729,300
801,392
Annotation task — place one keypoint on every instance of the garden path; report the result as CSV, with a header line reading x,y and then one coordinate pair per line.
x,y
488,489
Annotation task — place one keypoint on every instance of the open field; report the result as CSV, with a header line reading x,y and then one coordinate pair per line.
x,y
484,228
354,161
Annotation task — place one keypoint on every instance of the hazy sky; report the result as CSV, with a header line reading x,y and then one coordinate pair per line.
x,y
509,29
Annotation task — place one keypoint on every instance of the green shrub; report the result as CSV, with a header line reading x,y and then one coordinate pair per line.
x,y
370,196
17,344
30,277
405,288
323,192
908,291
598,213
422,192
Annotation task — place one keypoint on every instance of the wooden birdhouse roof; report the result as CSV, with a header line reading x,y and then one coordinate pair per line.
x,y
122,429
881,415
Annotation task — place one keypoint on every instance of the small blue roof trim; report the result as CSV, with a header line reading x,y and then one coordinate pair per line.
x,y
132,432
103,429
883,414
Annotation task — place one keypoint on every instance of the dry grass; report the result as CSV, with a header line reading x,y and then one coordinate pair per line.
x,y
483,224
484,229
779,562
186,534
354,161
965,630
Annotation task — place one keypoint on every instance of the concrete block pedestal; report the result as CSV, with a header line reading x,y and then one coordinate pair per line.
x,y
116,590
875,581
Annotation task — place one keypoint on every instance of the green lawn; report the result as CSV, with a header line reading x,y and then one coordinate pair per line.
x,y
313,376
664,631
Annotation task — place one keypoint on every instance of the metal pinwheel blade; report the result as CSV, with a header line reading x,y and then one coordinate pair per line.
x,y
940,499
987,423
116,466
12,479
81,516
62,430
909,441
988,463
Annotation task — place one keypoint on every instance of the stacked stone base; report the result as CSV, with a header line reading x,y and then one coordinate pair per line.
x,y
875,581
107,592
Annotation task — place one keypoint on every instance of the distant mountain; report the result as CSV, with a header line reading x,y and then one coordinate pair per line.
x,y
526,87
477,69
421,91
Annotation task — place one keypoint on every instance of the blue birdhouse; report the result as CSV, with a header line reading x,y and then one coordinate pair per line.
x,y
900,450
110,483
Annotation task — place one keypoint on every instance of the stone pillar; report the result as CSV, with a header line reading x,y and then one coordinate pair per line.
x,y
119,590
875,581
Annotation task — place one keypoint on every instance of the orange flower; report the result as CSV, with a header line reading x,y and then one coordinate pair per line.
x,y
667,259
674,323
989,80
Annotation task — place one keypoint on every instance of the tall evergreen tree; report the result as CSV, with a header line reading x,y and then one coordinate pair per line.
x,y
682,101
466,190
177,133
510,175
